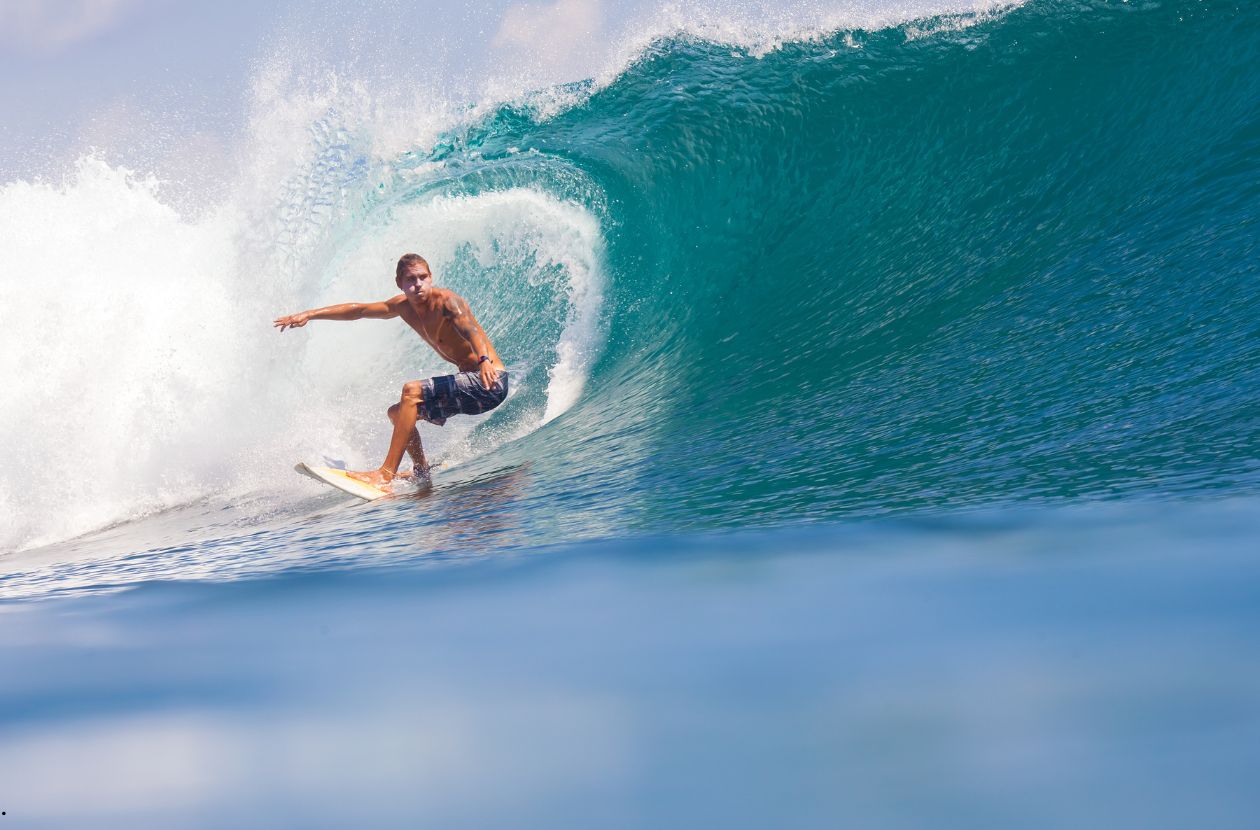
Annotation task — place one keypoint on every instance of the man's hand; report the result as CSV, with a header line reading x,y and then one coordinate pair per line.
x,y
293,321
489,374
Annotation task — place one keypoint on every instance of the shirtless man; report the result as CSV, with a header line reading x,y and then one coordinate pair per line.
x,y
446,323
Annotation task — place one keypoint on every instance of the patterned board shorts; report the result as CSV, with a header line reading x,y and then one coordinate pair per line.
x,y
460,394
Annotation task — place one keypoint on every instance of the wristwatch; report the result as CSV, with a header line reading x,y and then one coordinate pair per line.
x,y
483,359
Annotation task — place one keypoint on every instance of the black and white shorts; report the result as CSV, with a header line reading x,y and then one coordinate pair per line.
x,y
460,394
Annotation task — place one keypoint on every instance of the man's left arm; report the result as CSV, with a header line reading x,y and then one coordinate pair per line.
x,y
461,317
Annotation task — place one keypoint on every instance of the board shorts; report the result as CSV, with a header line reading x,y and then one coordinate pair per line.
x,y
460,394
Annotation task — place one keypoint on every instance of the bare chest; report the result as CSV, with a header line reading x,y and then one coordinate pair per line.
x,y
433,326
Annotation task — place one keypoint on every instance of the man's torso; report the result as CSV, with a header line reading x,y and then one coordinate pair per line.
x,y
439,332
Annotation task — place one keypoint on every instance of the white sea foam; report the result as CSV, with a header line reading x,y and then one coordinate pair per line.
x,y
120,337
141,367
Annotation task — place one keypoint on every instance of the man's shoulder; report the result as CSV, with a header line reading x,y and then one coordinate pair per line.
x,y
449,298
399,307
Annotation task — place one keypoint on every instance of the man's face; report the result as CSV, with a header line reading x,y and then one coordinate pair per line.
x,y
415,282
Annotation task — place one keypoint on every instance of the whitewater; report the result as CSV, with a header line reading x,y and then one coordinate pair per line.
x,y
883,447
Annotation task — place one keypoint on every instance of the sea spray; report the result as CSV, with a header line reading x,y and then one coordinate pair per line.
x,y
143,371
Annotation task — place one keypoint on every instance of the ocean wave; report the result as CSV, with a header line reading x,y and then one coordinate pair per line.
x,y
831,269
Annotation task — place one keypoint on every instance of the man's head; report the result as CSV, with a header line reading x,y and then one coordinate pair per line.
x,y
413,276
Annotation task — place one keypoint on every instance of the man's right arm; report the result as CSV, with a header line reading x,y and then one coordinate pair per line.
x,y
345,311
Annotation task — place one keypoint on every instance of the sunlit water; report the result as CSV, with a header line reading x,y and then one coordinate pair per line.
x,y
884,451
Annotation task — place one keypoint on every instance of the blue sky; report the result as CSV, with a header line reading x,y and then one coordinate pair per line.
x,y
63,64
126,75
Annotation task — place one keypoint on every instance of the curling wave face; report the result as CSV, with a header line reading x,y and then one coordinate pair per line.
x,y
932,266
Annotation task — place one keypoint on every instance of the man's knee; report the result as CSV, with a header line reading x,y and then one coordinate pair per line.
x,y
392,412
412,392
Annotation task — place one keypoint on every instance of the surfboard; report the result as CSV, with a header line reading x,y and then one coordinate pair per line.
x,y
339,479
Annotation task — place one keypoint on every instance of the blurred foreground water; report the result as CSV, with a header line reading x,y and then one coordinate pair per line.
x,y
1092,666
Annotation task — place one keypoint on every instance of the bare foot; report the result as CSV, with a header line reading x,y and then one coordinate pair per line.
x,y
413,474
377,478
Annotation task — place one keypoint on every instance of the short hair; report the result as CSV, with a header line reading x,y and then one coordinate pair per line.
x,y
408,260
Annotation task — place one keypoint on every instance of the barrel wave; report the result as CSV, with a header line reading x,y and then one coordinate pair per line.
x,y
939,265
969,261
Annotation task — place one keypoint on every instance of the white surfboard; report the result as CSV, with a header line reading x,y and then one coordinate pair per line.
x,y
340,480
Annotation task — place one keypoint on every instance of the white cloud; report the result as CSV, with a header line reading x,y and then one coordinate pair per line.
x,y
51,25
556,34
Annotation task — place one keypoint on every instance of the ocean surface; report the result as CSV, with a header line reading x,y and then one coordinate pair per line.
x,y
884,447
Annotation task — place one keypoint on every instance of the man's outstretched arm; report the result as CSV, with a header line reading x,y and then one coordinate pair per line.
x,y
345,311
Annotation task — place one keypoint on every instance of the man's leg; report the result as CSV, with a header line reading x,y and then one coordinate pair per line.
x,y
414,448
404,428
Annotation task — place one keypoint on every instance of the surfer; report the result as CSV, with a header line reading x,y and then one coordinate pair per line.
x,y
443,319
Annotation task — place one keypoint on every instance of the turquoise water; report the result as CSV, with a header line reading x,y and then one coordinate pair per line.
x,y
1014,262
887,438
